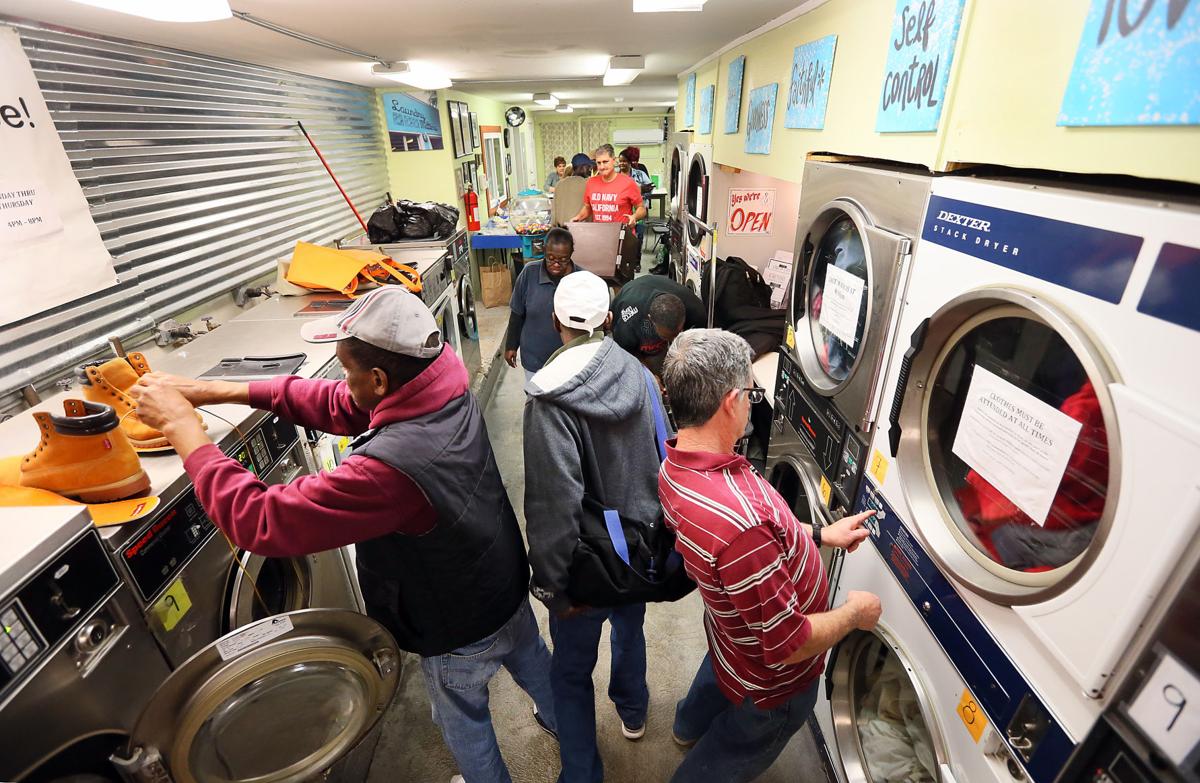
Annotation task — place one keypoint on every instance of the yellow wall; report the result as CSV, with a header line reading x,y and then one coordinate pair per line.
x,y
1010,70
706,75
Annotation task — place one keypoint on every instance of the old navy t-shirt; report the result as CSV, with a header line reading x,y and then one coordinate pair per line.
x,y
612,201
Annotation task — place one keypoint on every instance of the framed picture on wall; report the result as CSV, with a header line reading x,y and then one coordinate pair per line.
x,y
478,142
413,120
456,136
464,127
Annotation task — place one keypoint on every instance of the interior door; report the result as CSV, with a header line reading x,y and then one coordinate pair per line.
x,y
493,164
283,699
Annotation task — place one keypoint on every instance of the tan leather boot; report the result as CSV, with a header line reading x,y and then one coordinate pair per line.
x,y
83,455
109,383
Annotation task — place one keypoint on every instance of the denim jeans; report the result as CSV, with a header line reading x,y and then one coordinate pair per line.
x,y
576,646
458,690
736,742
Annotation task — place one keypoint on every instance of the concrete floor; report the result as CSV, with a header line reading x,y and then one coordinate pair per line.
x,y
411,747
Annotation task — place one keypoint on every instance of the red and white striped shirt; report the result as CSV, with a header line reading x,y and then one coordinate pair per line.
x,y
759,572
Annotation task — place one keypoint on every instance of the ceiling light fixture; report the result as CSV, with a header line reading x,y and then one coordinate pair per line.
x,y
545,99
623,69
666,6
421,77
173,11
563,108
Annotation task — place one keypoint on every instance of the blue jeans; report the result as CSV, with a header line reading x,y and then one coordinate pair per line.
x,y
458,690
576,645
736,742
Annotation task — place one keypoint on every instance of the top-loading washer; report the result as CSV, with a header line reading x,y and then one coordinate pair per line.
x,y
677,171
1045,432
698,239
856,230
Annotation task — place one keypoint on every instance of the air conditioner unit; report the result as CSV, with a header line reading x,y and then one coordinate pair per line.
x,y
637,137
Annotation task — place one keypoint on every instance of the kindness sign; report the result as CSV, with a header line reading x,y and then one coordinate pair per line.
x,y
920,53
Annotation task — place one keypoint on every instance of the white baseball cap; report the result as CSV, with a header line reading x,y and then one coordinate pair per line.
x,y
581,301
390,318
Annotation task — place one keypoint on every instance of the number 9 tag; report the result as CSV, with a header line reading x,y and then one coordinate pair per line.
x,y
1168,708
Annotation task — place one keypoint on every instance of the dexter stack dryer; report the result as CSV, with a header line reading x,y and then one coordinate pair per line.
x,y
1046,437
677,169
698,240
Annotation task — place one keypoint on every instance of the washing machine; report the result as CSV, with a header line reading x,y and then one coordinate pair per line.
x,y
697,238
856,232
677,170
1042,440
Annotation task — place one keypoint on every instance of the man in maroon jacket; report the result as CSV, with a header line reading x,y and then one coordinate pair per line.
x,y
440,557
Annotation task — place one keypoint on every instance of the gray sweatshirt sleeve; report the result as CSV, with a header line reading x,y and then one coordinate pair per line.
x,y
553,499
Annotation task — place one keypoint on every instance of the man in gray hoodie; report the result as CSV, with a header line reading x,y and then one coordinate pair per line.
x,y
589,427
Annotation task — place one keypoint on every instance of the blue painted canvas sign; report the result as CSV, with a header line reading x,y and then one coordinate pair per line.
x,y
812,66
760,117
1137,64
733,96
920,53
707,97
689,102
413,121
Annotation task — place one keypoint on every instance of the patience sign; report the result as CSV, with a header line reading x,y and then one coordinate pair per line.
x,y
920,52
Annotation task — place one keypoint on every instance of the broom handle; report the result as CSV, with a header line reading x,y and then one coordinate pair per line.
x,y
331,175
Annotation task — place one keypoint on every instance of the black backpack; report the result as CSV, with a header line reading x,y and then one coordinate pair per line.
x,y
743,305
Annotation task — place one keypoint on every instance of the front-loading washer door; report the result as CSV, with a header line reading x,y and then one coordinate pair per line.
x,y
884,726
986,374
696,202
280,700
675,180
848,274
797,479
260,587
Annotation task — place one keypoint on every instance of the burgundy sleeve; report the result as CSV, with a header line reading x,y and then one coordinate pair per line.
x,y
319,404
751,568
359,500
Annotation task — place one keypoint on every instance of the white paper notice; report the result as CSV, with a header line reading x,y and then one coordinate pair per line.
x,y
27,211
252,636
1018,443
841,303
778,275
1168,708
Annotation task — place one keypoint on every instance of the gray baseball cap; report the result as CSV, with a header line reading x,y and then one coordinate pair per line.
x,y
390,318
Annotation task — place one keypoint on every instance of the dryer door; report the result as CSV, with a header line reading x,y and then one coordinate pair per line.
x,y
283,699
697,199
675,180
261,587
848,273
797,479
885,728
1008,444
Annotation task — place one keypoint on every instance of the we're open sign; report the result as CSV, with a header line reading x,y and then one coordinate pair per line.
x,y
750,211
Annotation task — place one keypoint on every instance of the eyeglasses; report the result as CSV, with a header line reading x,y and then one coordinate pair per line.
x,y
755,394
557,260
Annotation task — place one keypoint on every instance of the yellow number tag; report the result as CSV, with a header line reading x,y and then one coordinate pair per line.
x,y
826,491
879,467
972,716
343,443
173,605
791,337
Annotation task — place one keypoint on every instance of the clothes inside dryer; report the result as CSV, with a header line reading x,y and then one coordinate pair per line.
x,y
1035,359
266,586
894,740
837,298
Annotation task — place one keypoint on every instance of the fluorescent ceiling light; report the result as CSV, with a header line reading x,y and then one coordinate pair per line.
x,y
564,108
545,99
421,77
663,6
167,10
623,70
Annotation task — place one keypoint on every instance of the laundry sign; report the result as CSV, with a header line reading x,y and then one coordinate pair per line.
x,y
751,211
50,249
920,53
1019,444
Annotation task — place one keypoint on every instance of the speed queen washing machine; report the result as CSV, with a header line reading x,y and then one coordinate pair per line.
x,y
677,192
698,240
855,234
1045,425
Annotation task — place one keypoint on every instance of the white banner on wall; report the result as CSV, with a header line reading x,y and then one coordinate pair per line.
x,y
50,248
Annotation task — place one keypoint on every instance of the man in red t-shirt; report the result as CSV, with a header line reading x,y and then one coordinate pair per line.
x,y
610,195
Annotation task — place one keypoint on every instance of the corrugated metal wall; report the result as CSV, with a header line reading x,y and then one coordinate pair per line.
x,y
196,176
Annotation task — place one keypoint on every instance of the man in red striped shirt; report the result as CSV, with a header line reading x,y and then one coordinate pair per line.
x,y
766,600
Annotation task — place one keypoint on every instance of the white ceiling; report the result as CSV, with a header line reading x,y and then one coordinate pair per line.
x,y
503,50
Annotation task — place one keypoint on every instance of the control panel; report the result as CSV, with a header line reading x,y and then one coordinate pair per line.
x,y
837,448
434,279
45,611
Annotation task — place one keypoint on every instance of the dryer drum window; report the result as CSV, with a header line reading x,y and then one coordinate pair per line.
x,y
889,728
267,586
796,490
697,198
676,171
246,737
838,291
1025,374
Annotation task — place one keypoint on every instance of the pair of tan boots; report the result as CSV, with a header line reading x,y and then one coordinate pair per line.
x,y
91,452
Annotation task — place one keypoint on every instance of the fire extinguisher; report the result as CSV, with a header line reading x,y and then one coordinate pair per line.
x,y
472,202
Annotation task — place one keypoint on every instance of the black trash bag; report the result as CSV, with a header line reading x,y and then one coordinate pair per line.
x,y
385,225
417,224
447,222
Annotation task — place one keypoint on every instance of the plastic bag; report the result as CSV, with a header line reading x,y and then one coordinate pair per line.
x,y
385,225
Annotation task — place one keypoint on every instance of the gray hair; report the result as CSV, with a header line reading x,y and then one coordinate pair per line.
x,y
605,148
702,366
